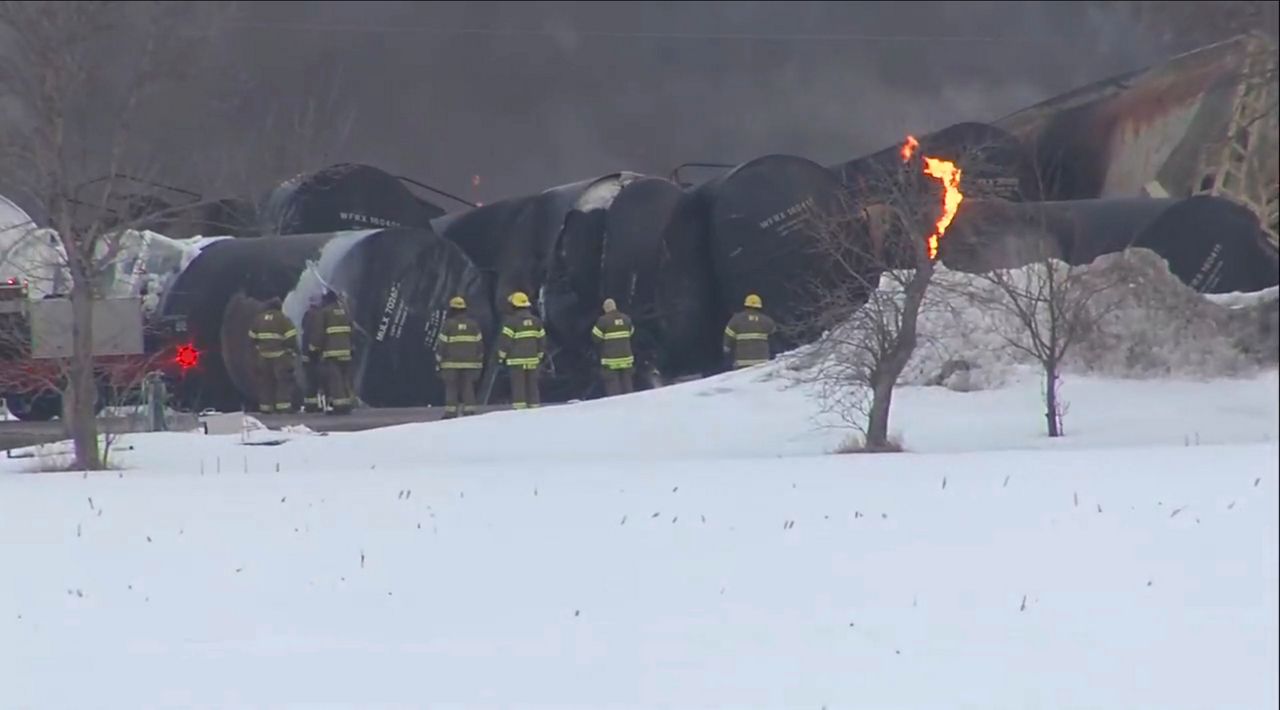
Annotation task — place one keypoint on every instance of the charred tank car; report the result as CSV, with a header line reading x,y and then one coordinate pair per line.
x,y
560,247
994,163
1212,244
343,197
751,230
608,248
396,283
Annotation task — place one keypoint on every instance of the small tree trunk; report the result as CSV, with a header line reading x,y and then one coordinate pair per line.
x,y
82,386
1051,399
885,378
878,416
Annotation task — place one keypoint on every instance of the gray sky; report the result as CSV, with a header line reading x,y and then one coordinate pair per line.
x,y
527,95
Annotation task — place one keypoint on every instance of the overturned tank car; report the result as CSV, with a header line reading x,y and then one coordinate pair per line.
x,y
568,248
1204,122
994,162
608,248
760,228
1213,244
343,197
396,284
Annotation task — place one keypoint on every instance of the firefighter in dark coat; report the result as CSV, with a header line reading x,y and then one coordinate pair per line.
x,y
335,354
521,347
460,354
746,336
612,335
276,340
313,342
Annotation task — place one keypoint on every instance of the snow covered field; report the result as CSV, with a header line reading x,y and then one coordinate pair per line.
x,y
691,547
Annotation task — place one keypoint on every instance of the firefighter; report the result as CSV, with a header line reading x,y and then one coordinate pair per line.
x,y
276,339
335,354
313,343
520,347
746,336
460,354
612,335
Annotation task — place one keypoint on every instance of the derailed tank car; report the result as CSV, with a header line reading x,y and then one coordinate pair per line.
x,y
994,162
550,246
1196,124
341,197
752,230
396,283
1212,244
608,248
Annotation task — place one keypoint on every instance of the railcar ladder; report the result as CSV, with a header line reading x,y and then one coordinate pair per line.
x,y
1224,166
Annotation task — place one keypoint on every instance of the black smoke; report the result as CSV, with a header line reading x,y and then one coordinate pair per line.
x,y
527,95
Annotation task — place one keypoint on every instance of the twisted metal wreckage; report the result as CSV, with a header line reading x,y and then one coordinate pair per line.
x,y
1179,158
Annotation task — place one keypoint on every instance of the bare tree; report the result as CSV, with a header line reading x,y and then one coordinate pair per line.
x,y
881,249
1042,310
1032,297
74,78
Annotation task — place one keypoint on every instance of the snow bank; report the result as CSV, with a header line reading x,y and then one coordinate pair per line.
x,y
1244,300
753,414
1158,327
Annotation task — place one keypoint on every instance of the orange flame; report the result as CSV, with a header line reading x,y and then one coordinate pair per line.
x,y
948,173
909,148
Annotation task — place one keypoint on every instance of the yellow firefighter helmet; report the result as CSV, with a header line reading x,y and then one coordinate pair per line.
x,y
519,299
609,306
753,301
458,302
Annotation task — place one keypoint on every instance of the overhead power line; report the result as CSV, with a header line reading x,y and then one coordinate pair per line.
x,y
460,31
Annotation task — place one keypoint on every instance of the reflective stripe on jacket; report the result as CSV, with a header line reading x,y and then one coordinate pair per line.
x,y
461,344
746,337
337,333
523,340
273,333
612,335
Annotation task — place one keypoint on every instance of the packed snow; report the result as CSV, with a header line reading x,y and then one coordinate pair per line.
x,y
1156,328
688,547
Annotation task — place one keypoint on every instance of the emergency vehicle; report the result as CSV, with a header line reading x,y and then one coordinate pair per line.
x,y
128,344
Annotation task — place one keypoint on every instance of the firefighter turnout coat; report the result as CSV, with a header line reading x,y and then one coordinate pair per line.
x,y
746,338
335,357
461,344
337,333
612,335
521,347
275,338
460,354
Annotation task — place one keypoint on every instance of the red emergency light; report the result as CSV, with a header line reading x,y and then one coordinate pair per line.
x,y
187,356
